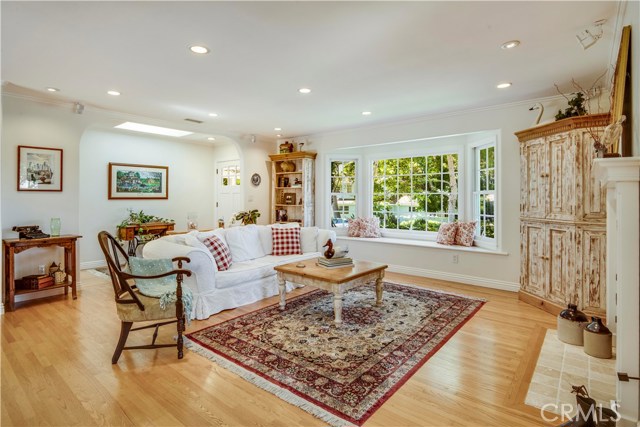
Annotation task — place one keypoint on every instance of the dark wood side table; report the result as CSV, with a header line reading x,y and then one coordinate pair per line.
x,y
153,230
11,247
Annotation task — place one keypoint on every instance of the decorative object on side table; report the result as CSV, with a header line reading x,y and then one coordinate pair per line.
x,y
39,168
29,232
598,339
128,181
247,217
192,221
571,323
54,226
138,228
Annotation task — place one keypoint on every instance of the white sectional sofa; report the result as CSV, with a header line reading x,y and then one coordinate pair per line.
x,y
251,276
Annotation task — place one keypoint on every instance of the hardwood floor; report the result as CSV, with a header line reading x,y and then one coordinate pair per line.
x,y
56,370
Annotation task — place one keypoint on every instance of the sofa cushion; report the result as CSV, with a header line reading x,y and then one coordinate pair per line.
x,y
264,231
274,260
243,272
308,239
244,243
286,241
203,235
220,252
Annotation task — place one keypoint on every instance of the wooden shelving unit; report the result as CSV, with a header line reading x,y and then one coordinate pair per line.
x,y
293,188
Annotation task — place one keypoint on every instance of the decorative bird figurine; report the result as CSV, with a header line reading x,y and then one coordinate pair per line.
x,y
329,253
540,107
612,134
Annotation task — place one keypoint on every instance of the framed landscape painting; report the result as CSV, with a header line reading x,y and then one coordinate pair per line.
x,y
128,181
39,168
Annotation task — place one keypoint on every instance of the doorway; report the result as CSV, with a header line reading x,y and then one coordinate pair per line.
x,y
229,190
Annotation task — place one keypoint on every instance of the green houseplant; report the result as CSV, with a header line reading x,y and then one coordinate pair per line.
x,y
247,217
138,218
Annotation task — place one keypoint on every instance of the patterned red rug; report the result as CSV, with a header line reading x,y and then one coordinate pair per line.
x,y
341,375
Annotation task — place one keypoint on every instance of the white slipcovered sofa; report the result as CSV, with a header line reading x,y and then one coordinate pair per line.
x,y
251,276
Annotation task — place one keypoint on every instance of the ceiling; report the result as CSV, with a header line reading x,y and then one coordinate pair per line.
x,y
399,60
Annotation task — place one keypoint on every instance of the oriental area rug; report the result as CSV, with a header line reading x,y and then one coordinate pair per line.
x,y
340,375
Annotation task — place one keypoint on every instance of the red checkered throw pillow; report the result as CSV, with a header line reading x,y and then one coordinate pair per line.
x,y
220,252
286,241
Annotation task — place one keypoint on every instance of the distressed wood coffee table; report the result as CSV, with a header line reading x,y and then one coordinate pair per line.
x,y
334,280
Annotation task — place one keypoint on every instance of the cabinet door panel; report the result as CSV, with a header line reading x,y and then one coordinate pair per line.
x,y
534,185
533,276
561,279
562,176
592,246
594,195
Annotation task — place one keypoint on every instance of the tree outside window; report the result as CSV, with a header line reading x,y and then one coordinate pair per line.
x,y
485,194
343,192
416,193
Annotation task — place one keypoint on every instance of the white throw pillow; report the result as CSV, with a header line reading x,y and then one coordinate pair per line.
x,y
266,239
204,235
308,239
244,243
286,225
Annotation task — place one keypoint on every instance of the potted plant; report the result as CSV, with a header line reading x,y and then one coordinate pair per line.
x,y
139,218
247,217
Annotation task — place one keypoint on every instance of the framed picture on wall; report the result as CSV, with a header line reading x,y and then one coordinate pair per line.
x,y
127,181
39,168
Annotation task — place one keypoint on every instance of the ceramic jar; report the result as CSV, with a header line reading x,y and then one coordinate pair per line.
x,y
571,323
598,339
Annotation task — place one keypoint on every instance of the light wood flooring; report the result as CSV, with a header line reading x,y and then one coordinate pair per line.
x,y
56,370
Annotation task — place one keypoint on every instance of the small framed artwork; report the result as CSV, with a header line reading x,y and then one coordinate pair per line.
x,y
127,181
289,198
39,168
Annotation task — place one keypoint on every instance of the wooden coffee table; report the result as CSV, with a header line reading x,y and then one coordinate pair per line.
x,y
335,280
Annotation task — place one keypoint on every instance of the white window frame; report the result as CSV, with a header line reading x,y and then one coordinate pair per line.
x,y
398,154
472,149
326,198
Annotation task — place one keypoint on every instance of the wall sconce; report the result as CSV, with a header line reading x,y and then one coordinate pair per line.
x,y
588,38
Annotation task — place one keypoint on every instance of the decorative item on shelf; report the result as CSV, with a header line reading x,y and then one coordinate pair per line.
x,y
300,145
285,182
287,147
289,198
598,339
288,166
221,222
296,183
281,215
247,217
29,232
571,323
192,221
53,268
36,281
300,202
55,226
611,138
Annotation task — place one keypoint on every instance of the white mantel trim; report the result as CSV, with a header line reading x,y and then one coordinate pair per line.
x,y
617,169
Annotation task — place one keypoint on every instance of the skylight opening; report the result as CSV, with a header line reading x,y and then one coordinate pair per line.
x,y
156,130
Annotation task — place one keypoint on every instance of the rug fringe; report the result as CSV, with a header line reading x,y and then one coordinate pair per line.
x,y
272,388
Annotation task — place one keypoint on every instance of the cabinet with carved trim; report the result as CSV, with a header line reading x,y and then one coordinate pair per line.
x,y
562,216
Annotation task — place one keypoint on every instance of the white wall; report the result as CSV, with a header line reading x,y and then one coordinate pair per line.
x,y
256,160
632,17
191,183
41,125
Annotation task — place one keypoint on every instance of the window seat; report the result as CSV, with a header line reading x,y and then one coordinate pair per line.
x,y
423,244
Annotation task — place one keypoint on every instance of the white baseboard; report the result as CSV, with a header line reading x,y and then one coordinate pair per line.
x,y
460,278
1,309
88,265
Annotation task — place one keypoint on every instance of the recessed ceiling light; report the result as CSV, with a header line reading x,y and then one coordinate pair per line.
x,y
199,49
366,113
503,85
213,114
113,92
53,89
278,135
304,90
510,44
211,139
139,127
277,129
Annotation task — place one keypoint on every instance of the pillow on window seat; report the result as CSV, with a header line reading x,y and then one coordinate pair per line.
x,y
364,227
447,233
466,231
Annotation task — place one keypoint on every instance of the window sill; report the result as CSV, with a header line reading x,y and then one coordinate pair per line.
x,y
423,244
